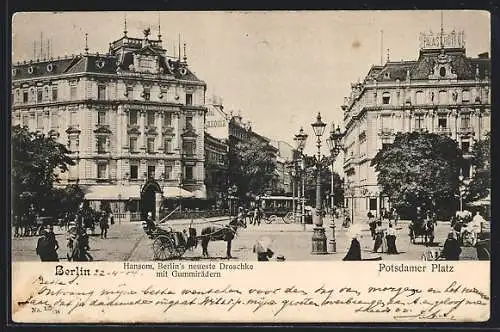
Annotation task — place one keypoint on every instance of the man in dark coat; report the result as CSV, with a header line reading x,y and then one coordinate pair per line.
x,y
47,247
451,249
103,224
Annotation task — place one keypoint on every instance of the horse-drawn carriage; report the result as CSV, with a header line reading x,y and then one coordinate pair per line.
x,y
423,228
170,244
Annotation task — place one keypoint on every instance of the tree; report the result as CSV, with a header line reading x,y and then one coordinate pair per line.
x,y
480,184
326,180
36,159
251,166
419,169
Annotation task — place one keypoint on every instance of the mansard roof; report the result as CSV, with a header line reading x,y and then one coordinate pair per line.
x,y
464,67
100,64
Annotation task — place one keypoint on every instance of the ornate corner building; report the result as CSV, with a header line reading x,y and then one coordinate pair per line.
x,y
131,115
443,91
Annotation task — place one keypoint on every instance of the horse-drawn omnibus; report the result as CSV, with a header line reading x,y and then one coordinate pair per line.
x,y
282,206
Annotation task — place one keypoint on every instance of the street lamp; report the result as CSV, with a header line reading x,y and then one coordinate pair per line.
x,y
334,142
231,190
319,237
292,173
300,142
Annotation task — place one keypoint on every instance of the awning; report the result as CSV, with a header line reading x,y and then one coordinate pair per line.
x,y
112,192
176,192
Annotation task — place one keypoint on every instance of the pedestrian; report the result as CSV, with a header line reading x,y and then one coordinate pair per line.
x,y
391,240
372,223
451,250
17,225
81,247
256,216
103,224
354,252
47,246
395,216
262,249
379,237
241,215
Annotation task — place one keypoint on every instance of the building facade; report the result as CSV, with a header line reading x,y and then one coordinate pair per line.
x,y
283,183
128,116
216,168
443,91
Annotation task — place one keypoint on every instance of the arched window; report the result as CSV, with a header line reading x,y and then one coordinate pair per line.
x,y
386,98
443,97
420,97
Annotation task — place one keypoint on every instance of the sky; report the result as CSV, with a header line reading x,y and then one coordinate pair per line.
x,y
280,68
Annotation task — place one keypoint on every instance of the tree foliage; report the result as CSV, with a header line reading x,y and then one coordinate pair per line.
x,y
251,166
326,182
36,161
481,180
419,169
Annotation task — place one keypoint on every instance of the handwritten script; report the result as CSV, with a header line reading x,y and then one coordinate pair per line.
x,y
107,293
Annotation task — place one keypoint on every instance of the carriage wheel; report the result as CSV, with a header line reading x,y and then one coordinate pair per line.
x,y
287,218
162,248
269,219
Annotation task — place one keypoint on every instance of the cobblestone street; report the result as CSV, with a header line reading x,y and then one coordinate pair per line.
x,y
127,241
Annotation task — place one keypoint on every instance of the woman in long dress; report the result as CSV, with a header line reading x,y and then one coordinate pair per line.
x,y
379,237
354,253
391,240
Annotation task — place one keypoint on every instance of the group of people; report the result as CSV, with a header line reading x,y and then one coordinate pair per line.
x,y
383,237
26,224
77,226
78,245
254,215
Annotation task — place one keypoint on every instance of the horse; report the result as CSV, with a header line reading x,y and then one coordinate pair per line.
x,y
424,228
220,233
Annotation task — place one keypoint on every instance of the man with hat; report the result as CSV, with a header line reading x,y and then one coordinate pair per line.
x,y
47,246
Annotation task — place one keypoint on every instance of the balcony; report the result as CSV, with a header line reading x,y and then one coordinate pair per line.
x,y
466,130
188,155
167,130
386,132
443,131
421,129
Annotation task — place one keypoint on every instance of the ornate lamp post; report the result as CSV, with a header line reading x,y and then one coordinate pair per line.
x,y
300,142
292,173
319,237
334,142
231,190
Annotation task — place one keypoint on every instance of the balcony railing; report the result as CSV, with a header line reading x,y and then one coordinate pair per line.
x,y
443,130
466,130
